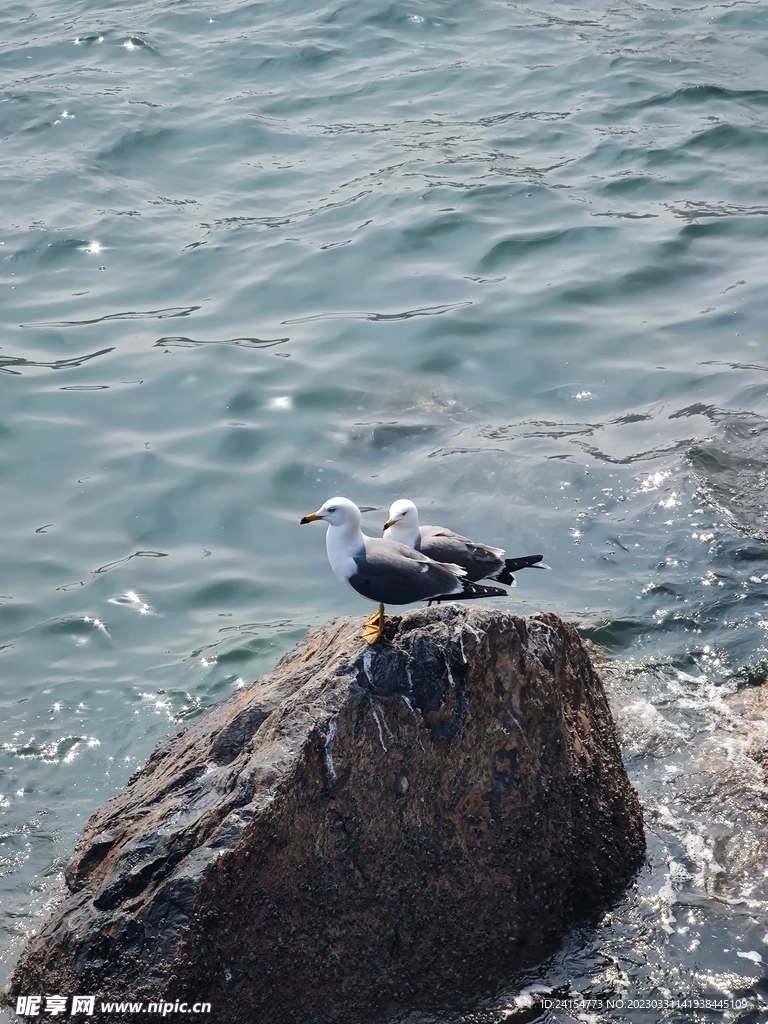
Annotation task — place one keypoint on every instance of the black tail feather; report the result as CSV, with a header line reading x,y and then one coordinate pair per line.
x,y
471,590
515,564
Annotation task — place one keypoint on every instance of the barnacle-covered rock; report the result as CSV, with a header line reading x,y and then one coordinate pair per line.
x,y
365,830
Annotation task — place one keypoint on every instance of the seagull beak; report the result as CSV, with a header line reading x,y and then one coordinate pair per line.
x,y
389,522
313,517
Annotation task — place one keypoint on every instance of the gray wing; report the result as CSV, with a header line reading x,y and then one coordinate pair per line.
x,y
393,573
478,560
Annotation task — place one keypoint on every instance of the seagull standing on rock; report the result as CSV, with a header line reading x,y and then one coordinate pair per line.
x,y
387,572
479,561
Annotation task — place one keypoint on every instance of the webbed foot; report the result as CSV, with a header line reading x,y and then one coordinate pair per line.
x,y
374,626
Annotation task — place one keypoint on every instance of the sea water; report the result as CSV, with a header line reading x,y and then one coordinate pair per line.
x,y
505,259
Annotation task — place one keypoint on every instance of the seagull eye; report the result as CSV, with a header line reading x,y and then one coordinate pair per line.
x,y
331,509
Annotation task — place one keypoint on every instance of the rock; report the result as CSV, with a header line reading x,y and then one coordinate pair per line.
x,y
745,739
362,831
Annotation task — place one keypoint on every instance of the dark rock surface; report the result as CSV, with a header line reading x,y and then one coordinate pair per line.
x,y
363,830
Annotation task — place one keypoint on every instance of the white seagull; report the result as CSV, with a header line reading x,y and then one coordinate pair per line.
x,y
387,572
479,561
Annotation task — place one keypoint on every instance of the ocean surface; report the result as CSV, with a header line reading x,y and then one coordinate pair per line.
x,y
508,260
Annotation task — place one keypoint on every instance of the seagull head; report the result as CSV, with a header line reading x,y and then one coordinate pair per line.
x,y
336,512
403,514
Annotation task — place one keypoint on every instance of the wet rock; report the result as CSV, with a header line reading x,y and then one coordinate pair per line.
x,y
364,830
748,733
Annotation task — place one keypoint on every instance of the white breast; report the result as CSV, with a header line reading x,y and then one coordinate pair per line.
x,y
404,534
341,548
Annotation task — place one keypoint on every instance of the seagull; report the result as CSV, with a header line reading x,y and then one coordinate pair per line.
x,y
387,572
479,561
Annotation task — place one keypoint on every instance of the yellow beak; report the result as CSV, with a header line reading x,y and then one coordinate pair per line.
x,y
389,522
311,518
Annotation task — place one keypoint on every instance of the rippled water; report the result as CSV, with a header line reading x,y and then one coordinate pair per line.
x,y
509,261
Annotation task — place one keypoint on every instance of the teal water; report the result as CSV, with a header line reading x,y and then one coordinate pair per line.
x,y
508,261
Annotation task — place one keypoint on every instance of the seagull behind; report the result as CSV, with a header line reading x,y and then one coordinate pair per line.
x,y
479,561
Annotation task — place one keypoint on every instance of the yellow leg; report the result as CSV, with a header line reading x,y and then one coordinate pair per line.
x,y
374,626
